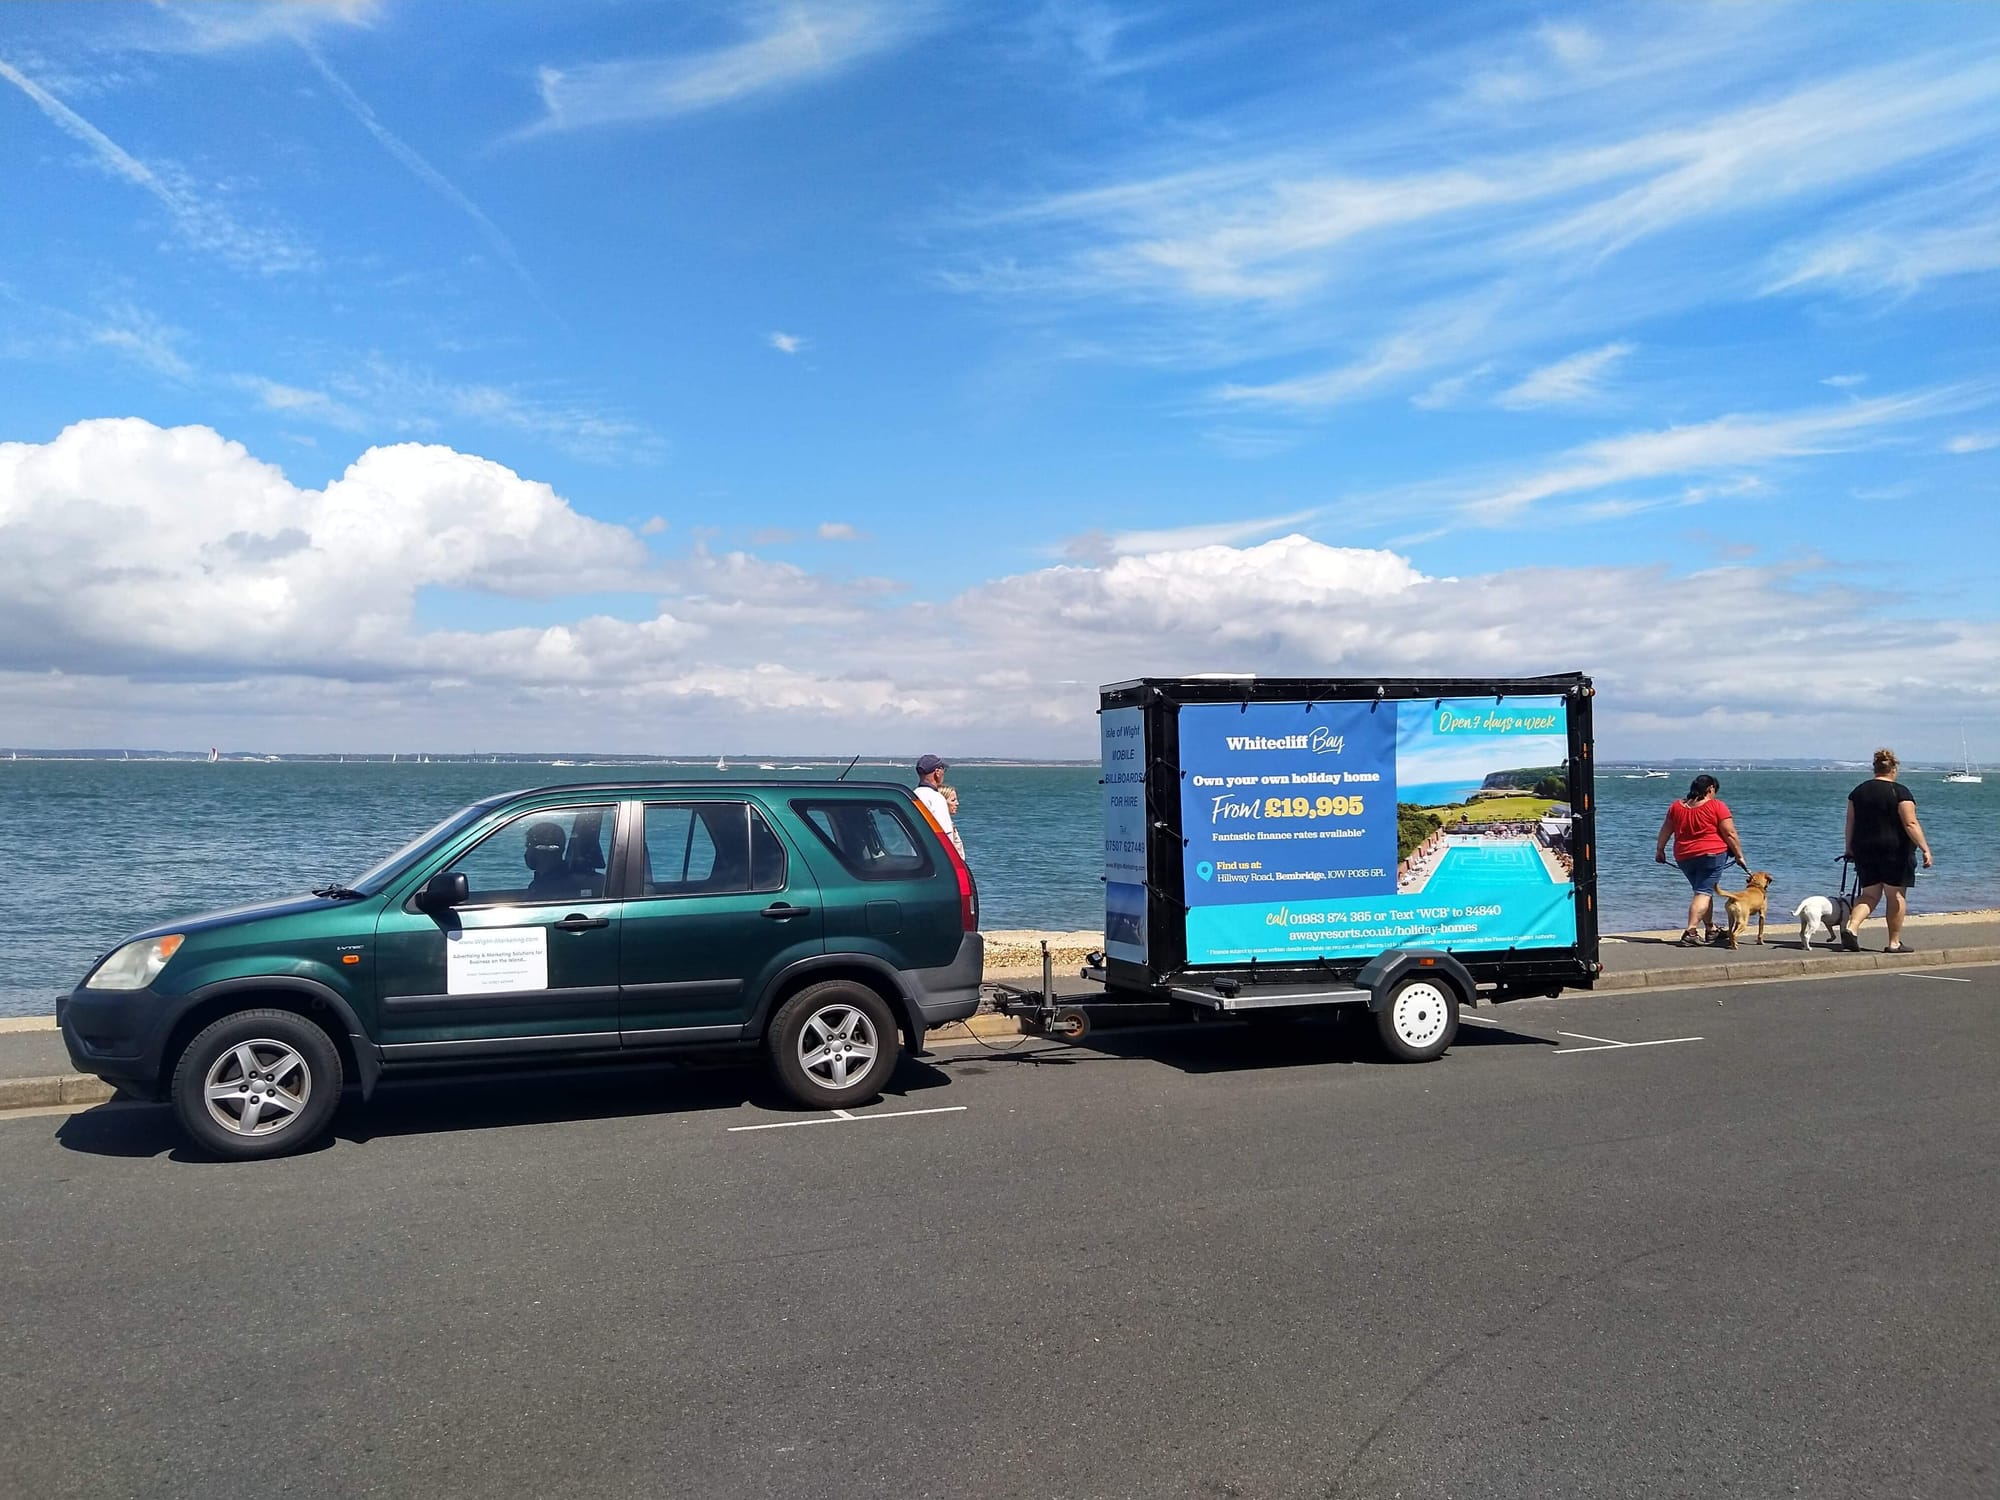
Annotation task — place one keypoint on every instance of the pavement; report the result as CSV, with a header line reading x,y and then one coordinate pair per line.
x,y
1687,1242
35,1071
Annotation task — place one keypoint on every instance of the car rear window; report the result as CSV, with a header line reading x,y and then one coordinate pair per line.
x,y
710,849
873,840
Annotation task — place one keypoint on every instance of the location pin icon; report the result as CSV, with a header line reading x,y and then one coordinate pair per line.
x,y
1205,870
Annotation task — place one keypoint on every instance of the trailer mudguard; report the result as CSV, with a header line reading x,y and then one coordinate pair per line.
x,y
1382,973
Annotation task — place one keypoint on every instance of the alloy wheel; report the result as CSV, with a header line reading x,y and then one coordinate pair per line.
x,y
257,1087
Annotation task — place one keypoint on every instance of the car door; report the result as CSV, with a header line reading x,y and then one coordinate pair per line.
x,y
718,903
528,961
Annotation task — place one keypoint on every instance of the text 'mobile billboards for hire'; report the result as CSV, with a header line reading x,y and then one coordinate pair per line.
x,y
1290,815
1122,736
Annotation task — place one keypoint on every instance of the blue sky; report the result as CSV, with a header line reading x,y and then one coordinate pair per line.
x,y
708,376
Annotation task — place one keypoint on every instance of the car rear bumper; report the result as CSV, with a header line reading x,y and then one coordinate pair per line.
x,y
950,993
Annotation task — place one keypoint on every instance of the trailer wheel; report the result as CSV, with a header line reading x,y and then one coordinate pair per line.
x,y
1070,1023
1418,1020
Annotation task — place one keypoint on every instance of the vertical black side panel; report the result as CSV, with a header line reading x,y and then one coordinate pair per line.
x,y
1166,869
1583,819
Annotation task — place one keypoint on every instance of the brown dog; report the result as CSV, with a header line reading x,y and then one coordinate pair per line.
x,y
1744,904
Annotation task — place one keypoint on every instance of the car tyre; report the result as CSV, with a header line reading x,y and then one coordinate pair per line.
x,y
1419,1019
833,1044
258,1083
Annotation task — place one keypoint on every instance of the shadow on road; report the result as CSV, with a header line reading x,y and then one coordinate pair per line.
x,y
448,1102
1228,1046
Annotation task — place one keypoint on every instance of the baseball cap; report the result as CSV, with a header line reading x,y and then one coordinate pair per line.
x,y
929,763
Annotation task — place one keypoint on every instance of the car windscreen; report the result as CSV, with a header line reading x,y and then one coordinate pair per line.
x,y
379,875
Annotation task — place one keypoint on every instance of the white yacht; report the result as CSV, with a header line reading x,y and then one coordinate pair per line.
x,y
1964,775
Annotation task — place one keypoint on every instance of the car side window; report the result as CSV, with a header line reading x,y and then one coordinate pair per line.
x,y
549,854
710,849
872,840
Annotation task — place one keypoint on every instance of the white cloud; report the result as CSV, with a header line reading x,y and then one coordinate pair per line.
x,y
140,336
398,398
786,46
1279,224
1724,443
133,557
1095,546
1567,381
1894,263
654,526
314,405
1973,442
252,23
1575,46
1415,348
1659,162
134,544
786,343
1845,382
201,222
838,531
1452,390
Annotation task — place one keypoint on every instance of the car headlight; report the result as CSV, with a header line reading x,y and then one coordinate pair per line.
x,y
135,965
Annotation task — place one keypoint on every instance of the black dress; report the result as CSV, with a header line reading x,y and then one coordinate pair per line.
x,y
1884,853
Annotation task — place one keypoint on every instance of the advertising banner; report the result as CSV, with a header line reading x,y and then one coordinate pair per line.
x,y
1122,732
1340,830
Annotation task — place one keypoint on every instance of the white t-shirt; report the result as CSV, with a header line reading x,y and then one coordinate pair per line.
x,y
940,810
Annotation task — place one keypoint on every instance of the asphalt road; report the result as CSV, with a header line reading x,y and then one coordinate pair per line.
x,y
1203,1263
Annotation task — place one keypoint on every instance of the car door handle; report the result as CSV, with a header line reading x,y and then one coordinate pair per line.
x,y
777,911
576,921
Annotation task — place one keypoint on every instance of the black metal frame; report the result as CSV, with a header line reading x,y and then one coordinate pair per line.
x,y
1506,971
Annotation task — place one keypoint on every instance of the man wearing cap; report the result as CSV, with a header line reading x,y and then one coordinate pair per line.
x,y
936,799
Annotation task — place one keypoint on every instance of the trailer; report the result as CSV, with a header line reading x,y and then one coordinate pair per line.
x,y
1394,848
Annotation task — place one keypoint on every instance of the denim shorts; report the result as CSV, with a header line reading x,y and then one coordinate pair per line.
x,y
1703,870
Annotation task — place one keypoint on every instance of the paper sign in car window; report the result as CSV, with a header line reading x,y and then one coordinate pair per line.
x,y
496,960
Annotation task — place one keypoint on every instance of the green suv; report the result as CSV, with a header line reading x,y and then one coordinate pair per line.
x,y
818,919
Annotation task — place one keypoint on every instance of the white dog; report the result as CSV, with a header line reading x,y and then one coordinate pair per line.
x,y
1828,912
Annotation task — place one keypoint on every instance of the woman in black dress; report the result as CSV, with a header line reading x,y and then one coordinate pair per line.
x,y
1883,839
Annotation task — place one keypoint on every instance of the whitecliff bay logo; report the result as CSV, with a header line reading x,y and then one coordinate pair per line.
x,y
1319,742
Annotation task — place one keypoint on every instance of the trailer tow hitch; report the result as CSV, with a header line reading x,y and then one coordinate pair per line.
x,y
1042,1012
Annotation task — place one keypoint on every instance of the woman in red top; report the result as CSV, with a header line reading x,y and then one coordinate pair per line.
x,y
1705,844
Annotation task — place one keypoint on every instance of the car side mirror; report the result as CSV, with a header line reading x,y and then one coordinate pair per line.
x,y
448,889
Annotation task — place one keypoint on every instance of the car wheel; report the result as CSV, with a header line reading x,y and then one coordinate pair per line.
x,y
1419,1020
833,1044
257,1083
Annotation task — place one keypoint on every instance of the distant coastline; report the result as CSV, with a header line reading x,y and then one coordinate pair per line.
x,y
745,761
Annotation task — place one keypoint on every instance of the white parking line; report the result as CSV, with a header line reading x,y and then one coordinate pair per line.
x,y
1478,1020
1945,978
1614,1046
842,1117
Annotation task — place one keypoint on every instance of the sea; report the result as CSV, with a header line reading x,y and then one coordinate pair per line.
x,y
95,849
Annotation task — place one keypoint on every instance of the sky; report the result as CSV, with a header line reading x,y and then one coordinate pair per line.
x,y
854,377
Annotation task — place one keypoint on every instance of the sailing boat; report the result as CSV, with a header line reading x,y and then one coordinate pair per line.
x,y
214,755
1965,775
721,762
